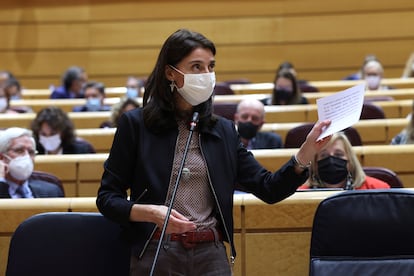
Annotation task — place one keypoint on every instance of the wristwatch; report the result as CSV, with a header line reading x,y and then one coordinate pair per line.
x,y
300,165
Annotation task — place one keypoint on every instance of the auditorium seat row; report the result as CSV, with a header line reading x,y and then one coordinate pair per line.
x,y
372,132
261,230
81,173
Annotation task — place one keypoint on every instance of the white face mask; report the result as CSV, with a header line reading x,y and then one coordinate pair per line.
x,y
3,104
373,82
50,143
21,167
197,88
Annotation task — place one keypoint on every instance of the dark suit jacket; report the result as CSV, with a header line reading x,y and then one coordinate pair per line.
x,y
39,188
267,140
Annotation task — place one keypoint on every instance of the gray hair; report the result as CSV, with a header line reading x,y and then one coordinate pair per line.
x,y
7,135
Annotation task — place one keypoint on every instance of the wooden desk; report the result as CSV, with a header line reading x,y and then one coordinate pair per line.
x,y
267,237
81,173
372,132
110,92
323,86
80,119
396,94
309,112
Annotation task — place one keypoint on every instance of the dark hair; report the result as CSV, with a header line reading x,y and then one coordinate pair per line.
x,y
96,85
297,94
12,82
119,108
72,73
285,65
58,120
159,106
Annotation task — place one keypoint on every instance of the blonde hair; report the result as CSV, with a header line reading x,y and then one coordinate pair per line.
x,y
355,169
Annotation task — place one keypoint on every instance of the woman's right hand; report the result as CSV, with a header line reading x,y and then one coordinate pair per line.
x,y
177,223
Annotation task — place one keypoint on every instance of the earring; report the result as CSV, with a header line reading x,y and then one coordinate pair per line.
x,y
349,182
172,85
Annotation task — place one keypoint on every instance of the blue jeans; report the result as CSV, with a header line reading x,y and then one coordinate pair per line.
x,y
204,259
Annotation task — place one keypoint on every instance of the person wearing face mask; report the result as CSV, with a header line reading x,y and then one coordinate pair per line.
x,y
17,152
134,87
286,90
5,102
249,118
372,73
12,90
337,166
54,133
148,156
94,93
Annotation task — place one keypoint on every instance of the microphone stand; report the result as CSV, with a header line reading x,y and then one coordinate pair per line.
x,y
193,124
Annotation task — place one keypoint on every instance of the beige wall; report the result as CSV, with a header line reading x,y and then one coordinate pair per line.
x,y
112,39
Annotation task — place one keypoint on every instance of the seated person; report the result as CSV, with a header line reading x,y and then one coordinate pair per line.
x,y
372,73
358,75
249,118
304,85
286,90
5,102
94,93
134,87
17,152
118,109
72,83
337,166
12,89
406,136
54,133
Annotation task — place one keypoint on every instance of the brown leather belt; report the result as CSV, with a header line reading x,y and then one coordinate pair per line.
x,y
192,238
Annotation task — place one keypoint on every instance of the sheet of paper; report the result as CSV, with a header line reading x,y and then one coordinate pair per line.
x,y
343,109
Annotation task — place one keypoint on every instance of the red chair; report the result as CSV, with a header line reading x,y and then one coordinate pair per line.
x,y
222,88
297,135
371,111
226,110
385,175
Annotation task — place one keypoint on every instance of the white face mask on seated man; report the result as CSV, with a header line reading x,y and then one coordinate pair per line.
x,y
21,167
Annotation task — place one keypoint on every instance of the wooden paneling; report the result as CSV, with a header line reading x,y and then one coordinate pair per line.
x,y
113,39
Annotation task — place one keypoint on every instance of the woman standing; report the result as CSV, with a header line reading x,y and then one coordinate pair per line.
x,y
145,157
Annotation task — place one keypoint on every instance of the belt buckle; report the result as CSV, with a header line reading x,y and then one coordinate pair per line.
x,y
186,241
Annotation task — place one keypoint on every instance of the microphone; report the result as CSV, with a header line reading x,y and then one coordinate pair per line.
x,y
193,124
194,121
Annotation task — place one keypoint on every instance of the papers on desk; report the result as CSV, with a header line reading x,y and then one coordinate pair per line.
x,y
342,108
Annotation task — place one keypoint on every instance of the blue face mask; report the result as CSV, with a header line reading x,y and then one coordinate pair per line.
x,y
15,97
93,104
132,93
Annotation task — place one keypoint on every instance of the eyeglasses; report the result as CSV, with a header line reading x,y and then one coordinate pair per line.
x,y
22,150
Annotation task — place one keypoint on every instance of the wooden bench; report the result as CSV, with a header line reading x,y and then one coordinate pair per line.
x,y
110,92
261,230
372,132
309,112
66,105
81,173
396,94
80,119
323,86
